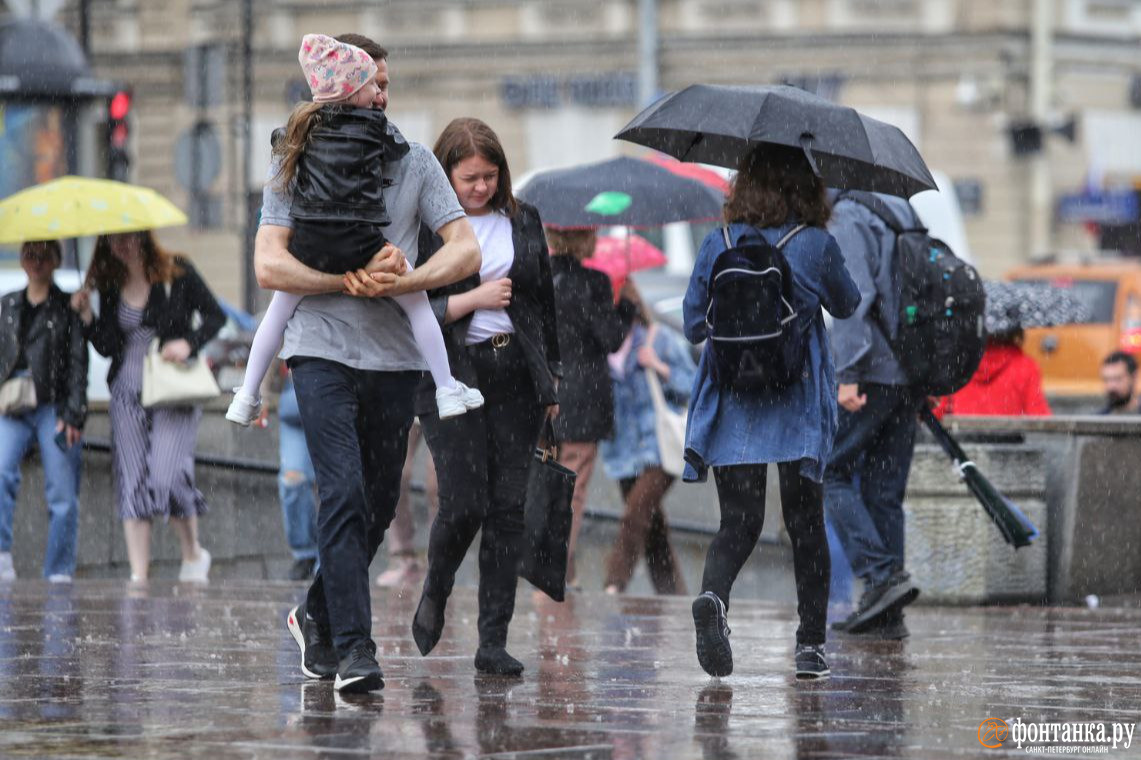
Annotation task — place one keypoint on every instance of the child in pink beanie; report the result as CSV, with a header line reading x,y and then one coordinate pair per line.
x,y
331,156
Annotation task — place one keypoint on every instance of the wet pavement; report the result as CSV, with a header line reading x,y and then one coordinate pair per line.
x,y
99,669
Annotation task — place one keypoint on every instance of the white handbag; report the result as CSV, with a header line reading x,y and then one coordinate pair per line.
x,y
17,396
669,426
176,384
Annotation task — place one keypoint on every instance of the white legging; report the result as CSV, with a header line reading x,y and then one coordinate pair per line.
x,y
425,330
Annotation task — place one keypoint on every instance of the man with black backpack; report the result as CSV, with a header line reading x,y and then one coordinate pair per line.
x,y
917,332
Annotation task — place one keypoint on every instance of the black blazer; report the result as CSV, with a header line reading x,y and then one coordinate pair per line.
x,y
589,329
170,316
532,311
55,349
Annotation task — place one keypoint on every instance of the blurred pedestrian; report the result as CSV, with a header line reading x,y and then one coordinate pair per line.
x,y
501,335
296,480
355,368
147,293
590,327
1007,382
871,458
332,155
1119,376
43,358
775,197
404,568
632,456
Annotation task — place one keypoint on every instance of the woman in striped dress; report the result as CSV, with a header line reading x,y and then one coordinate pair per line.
x,y
147,293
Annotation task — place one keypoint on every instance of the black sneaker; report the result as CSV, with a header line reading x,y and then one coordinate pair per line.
x,y
318,657
810,662
890,627
359,672
893,594
713,650
302,569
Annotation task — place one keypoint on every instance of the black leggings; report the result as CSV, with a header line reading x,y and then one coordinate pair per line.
x,y
741,491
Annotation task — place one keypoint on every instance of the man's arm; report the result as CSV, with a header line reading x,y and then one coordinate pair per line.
x,y
456,259
277,269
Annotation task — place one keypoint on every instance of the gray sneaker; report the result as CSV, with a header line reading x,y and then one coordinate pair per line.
x,y
893,594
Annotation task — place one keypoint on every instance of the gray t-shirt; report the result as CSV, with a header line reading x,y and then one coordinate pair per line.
x,y
364,333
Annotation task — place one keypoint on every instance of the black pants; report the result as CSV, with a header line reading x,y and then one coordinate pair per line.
x,y
482,459
741,491
335,246
356,427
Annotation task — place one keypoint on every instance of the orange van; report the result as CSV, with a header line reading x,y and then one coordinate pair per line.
x,y
1070,355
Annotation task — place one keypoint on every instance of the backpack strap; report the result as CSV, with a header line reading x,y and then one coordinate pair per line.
x,y
728,238
780,244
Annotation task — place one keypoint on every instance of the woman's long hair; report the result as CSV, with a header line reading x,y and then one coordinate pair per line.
x,y
775,184
294,141
107,272
467,137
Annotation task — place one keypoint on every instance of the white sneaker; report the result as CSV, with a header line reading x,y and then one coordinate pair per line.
x,y
59,578
452,402
243,409
198,570
7,569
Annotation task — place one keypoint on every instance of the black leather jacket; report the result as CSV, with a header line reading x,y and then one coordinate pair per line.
x,y
170,316
357,139
55,349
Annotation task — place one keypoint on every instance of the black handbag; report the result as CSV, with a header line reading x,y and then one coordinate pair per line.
x,y
547,519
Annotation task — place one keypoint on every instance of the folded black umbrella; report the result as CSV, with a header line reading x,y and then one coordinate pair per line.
x,y
621,191
1012,523
719,124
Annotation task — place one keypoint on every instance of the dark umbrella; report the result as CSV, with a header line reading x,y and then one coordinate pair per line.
x,y
718,124
1014,526
621,191
1012,306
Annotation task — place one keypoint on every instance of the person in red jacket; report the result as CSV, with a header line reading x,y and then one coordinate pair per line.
x,y
1007,382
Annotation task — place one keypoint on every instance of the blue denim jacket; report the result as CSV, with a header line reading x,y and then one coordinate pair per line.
x,y
796,423
634,446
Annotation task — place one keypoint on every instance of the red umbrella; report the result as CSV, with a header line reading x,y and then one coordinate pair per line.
x,y
619,256
692,171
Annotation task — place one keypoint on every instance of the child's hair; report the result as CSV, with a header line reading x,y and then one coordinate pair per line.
x,y
294,140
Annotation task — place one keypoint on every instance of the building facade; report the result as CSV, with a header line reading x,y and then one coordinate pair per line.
x,y
557,79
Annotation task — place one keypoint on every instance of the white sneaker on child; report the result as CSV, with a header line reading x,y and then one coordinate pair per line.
x,y
452,402
7,569
243,409
196,571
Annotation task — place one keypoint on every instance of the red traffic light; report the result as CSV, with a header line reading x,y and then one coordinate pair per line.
x,y
120,105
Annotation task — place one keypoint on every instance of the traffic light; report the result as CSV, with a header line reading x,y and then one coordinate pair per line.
x,y
118,132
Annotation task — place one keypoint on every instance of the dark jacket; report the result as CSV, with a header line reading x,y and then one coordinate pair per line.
x,y
361,138
589,329
172,316
55,350
532,311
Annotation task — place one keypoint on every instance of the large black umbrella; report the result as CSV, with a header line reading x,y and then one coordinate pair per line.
x,y
1014,305
719,124
621,191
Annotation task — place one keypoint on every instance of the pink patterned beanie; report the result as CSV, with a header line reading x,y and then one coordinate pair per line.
x,y
334,69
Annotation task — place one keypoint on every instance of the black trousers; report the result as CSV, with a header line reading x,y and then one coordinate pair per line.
x,y
741,491
482,459
335,246
356,427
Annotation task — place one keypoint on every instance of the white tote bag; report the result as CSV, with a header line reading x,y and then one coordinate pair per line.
x,y
669,426
176,384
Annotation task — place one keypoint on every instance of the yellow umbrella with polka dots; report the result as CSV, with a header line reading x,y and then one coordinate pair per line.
x,y
79,206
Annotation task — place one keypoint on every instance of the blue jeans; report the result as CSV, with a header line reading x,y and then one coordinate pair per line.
x,y
866,479
295,481
61,484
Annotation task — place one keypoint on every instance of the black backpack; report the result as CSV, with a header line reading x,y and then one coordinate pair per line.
x,y
753,338
939,338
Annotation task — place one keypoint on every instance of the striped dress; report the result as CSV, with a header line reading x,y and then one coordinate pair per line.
x,y
152,449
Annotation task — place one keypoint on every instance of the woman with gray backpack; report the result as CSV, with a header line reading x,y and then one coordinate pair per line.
x,y
765,390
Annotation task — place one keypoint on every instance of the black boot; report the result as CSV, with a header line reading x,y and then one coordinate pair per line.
x,y
428,623
495,661
498,578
